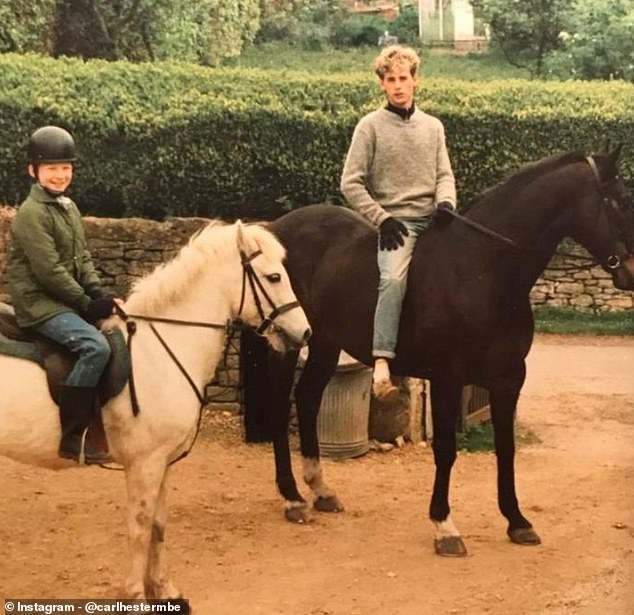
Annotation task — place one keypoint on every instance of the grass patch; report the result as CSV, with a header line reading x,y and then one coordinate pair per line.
x,y
569,321
471,67
479,438
476,439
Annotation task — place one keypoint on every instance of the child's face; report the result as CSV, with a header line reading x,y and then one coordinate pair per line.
x,y
399,85
55,177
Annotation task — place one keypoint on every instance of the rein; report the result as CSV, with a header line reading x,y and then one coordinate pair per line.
x,y
257,288
612,261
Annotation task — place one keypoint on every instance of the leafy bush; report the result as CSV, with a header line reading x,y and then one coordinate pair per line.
x,y
358,31
599,44
178,139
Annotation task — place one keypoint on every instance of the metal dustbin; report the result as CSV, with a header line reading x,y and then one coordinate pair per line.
x,y
342,423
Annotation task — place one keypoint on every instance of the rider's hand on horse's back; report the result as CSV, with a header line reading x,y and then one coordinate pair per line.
x,y
391,233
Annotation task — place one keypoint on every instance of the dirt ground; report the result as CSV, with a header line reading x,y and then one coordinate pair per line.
x,y
63,534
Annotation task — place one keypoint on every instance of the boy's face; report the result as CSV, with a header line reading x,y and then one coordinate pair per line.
x,y
55,177
399,85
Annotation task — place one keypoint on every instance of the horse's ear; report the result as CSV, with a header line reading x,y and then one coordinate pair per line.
x,y
604,148
240,238
613,156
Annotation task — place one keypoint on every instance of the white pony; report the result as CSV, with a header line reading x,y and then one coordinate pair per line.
x,y
225,271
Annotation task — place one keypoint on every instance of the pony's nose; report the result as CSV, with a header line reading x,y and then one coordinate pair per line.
x,y
307,335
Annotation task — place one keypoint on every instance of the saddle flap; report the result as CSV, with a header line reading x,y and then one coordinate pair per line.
x,y
57,361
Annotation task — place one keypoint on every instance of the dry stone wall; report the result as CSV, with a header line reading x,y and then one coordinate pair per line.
x,y
126,249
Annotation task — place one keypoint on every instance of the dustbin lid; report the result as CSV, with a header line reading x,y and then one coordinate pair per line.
x,y
345,362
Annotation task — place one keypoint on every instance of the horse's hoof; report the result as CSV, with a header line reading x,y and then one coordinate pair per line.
x,y
328,504
525,536
450,546
296,514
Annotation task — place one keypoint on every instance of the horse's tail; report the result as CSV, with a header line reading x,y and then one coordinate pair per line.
x,y
267,379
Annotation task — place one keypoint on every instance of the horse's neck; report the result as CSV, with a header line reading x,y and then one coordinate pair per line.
x,y
534,220
197,347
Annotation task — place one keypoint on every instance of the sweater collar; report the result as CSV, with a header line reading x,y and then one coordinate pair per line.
x,y
404,114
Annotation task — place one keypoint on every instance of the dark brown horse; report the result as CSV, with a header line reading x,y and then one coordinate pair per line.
x,y
466,317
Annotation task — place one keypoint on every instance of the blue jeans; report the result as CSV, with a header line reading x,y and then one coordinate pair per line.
x,y
393,268
87,343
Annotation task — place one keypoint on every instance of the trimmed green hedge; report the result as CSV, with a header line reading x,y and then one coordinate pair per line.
x,y
178,139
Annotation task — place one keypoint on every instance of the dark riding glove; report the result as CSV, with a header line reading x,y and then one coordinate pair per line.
x,y
96,293
391,233
442,215
98,309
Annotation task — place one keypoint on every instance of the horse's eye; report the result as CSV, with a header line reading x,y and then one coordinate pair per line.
x,y
274,277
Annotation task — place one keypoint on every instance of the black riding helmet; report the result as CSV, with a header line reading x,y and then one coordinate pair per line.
x,y
51,144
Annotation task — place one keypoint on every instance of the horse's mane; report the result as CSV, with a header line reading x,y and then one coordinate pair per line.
x,y
524,177
210,247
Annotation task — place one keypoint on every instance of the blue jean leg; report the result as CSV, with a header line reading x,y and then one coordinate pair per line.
x,y
393,268
87,343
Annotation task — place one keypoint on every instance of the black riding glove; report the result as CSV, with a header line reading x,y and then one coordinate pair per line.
x,y
98,309
391,233
96,293
442,215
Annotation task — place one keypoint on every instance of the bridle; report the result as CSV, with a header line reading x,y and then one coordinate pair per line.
x,y
248,273
257,288
611,262
229,327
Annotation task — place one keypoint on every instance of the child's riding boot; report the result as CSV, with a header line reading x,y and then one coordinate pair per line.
x,y
76,410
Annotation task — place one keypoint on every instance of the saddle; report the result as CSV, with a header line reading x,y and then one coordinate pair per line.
x,y
57,361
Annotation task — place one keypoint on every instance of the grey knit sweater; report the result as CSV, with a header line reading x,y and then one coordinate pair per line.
x,y
397,166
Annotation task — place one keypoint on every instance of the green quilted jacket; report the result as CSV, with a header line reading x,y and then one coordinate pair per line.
x,y
49,267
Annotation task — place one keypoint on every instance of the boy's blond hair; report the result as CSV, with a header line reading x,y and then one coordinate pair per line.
x,y
393,56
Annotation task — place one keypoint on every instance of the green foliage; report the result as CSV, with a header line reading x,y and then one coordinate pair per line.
x,y
165,139
527,30
480,438
205,31
304,23
571,321
476,439
405,26
358,30
599,43
24,25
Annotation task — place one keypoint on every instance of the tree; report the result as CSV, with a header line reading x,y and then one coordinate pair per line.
x,y
25,25
600,42
204,31
527,31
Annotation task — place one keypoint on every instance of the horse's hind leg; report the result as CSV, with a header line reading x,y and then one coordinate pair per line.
x,y
446,396
157,582
319,368
144,480
504,393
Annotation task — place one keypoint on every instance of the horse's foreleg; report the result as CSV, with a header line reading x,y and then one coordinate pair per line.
x,y
281,376
504,393
446,396
144,481
157,582
321,365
